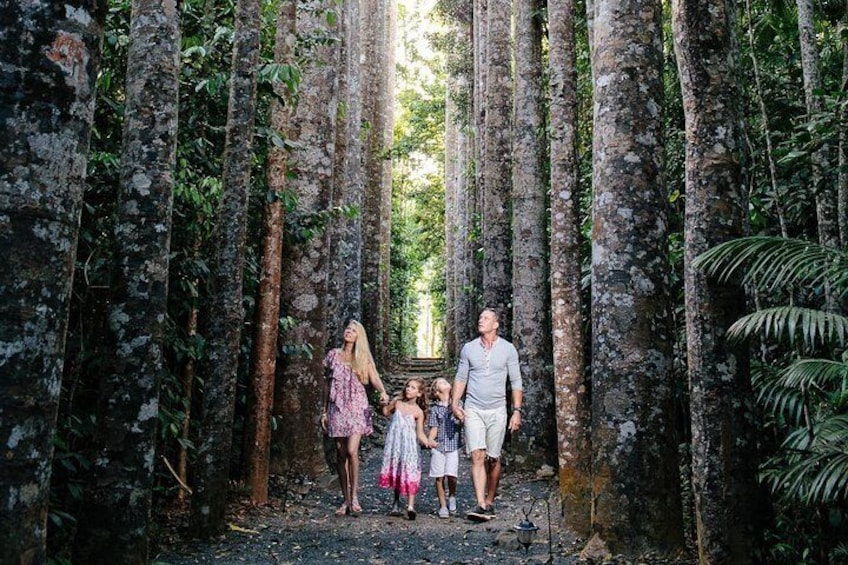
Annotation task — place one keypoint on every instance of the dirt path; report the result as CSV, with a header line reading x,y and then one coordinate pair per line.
x,y
309,532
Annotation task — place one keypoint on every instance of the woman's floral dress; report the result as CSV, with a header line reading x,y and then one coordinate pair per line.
x,y
401,468
349,412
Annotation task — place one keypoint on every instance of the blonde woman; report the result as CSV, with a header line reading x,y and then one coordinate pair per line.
x,y
347,412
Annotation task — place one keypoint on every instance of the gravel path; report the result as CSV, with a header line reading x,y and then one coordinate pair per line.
x,y
308,531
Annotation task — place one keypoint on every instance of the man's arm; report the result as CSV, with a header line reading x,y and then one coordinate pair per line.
x,y
514,371
456,398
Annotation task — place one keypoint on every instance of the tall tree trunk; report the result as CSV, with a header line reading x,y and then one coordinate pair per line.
x,y
826,198
531,306
480,32
225,315
388,81
496,165
261,389
344,296
298,401
464,313
114,522
573,414
634,441
842,178
47,96
458,119
453,220
378,63
723,432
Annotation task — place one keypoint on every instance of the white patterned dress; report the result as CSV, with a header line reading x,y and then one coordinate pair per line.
x,y
401,468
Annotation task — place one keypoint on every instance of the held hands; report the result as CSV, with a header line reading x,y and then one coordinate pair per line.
x,y
458,412
384,398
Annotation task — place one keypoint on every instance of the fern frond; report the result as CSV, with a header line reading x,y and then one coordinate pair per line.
x,y
792,323
814,373
770,263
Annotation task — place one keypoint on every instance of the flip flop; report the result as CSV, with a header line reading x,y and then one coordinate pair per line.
x,y
343,510
355,508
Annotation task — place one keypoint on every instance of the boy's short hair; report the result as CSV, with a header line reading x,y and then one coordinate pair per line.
x,y
434,387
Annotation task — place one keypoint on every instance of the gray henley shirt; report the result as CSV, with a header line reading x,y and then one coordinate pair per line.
x,y
485,373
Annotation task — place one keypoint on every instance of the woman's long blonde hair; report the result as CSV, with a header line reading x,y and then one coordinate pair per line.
x,y
362,362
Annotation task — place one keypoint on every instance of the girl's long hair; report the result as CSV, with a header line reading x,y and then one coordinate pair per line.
x,y
362,359
421,401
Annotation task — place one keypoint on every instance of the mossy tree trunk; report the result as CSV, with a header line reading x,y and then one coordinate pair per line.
x,y
298,402
531,333
724,462
636,489
225,314
49,58
114,522
573,413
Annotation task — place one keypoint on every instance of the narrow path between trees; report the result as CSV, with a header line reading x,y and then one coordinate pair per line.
x,y
304,528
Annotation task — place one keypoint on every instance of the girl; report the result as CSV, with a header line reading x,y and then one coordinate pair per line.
x,y
401,468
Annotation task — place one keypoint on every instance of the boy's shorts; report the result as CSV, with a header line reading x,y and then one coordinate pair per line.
x,y
485,429
444,464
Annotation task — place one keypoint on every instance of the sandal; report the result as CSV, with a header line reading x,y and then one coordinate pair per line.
x,y
343,510
355,508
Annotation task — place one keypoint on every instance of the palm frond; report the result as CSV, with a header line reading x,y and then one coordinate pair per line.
x,y
815,374
784,403
769,263
792,323
813,464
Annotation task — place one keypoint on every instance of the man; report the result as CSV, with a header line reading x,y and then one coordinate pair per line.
x,y
484,365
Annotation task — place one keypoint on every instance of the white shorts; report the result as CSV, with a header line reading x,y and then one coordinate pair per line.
x,y
485,429
444,464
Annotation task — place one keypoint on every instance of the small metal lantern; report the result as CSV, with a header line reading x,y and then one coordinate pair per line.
x,y
526,532
526,529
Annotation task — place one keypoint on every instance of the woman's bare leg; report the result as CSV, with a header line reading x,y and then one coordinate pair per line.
x,y
342,468
353,466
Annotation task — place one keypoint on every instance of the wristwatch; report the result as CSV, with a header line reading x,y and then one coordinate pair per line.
x,y
518,409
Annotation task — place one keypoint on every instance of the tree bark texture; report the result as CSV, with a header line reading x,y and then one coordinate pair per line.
x,y
573,410
377,64
344,297
113,527
225,314
842,176
531,305
298,401
479,32
453,222
49,59
458,124
724,464
826,197
496,162
257,432
634,441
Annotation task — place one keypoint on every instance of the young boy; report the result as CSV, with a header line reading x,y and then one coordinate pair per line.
x,y
444,458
